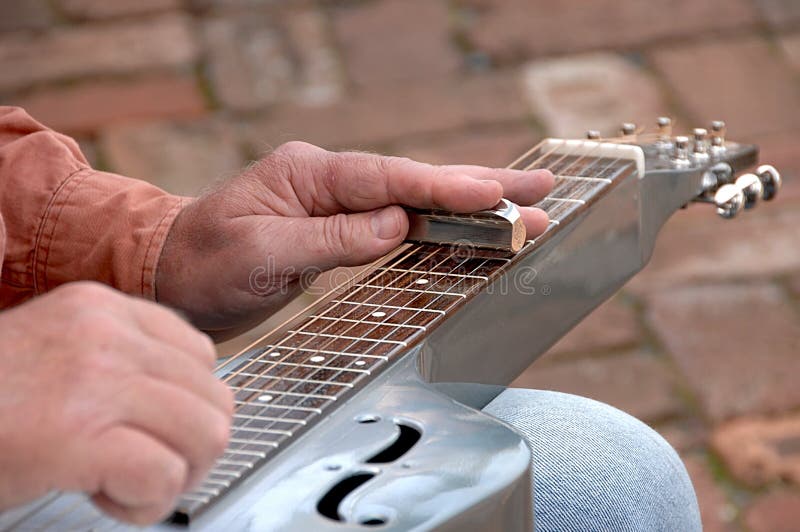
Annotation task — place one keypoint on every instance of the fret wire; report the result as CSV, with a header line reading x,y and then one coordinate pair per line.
x,y
270,418
263,443
437,311
202,489
237,463
245,452
325,351
294,379
218,482
411,290
400,325
572,200
259,430
480,277
583,178
291,394
278,363
284,407
360,339
197,498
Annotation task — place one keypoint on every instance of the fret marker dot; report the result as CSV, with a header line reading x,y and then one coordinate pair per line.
x,y
360,363
265,398
379,314
275,354
317,359
422,281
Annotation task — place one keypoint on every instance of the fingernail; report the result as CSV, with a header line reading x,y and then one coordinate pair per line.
x,y
386,224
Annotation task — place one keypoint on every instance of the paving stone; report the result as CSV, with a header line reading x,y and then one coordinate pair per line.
x,y
596,91
395,40
102,9
385,114
262,57
495,148
684,434
89,106
180,158
761,451
25,15
509,29
319,79
736,345
776,512
634,382
742,81
716,511
780,13
70,52
698,246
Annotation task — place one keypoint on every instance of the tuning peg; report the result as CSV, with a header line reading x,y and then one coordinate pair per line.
x,y
771,179
718,129
627,129
751,187
593,134
680,156
729,200
700,143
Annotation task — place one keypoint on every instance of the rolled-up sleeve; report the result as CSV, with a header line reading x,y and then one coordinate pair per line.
x,y
65,221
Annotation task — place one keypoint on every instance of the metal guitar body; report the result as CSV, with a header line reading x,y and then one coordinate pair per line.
x,y
411,450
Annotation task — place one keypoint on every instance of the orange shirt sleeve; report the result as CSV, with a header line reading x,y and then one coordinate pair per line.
x,y
62,221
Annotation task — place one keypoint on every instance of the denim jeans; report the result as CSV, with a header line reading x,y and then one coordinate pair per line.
x,y
597,468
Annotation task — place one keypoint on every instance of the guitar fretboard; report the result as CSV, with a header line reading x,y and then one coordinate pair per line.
x,y
287,381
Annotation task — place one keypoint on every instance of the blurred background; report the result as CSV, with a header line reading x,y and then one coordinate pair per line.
x,y
704,345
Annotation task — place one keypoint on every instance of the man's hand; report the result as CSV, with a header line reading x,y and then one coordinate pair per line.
x,y
109,395
305,209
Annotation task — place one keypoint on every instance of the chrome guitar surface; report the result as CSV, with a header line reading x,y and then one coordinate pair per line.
x,y
410,449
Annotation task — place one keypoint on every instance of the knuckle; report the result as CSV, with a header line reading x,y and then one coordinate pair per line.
x,y
335,239
294,147
83,292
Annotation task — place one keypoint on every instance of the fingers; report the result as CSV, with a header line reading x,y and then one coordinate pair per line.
x,y
185,371
339,240
191,427
166,326
139,477
521,187
329,183
536,221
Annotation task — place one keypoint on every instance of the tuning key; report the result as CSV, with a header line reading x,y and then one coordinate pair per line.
x,y
628,129
593,134
700,143
718,129
729,200
771,179
751,187
680,156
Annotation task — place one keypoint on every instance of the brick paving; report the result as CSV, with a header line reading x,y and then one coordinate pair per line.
x,y
703,344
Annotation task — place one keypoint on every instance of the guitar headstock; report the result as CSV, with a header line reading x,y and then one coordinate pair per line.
x,y
715,167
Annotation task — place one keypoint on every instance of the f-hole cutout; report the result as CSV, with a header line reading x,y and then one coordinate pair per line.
x,y
407,438
328,505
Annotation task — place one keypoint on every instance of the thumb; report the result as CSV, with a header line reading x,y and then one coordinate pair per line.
x,y
346,239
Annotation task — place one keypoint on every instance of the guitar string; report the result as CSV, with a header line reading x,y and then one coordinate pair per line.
x,y
236,372
338,370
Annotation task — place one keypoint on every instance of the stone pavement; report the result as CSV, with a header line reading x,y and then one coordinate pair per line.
x,y
704,344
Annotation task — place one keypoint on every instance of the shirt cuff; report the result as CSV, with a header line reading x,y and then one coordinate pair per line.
x,y
104,227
